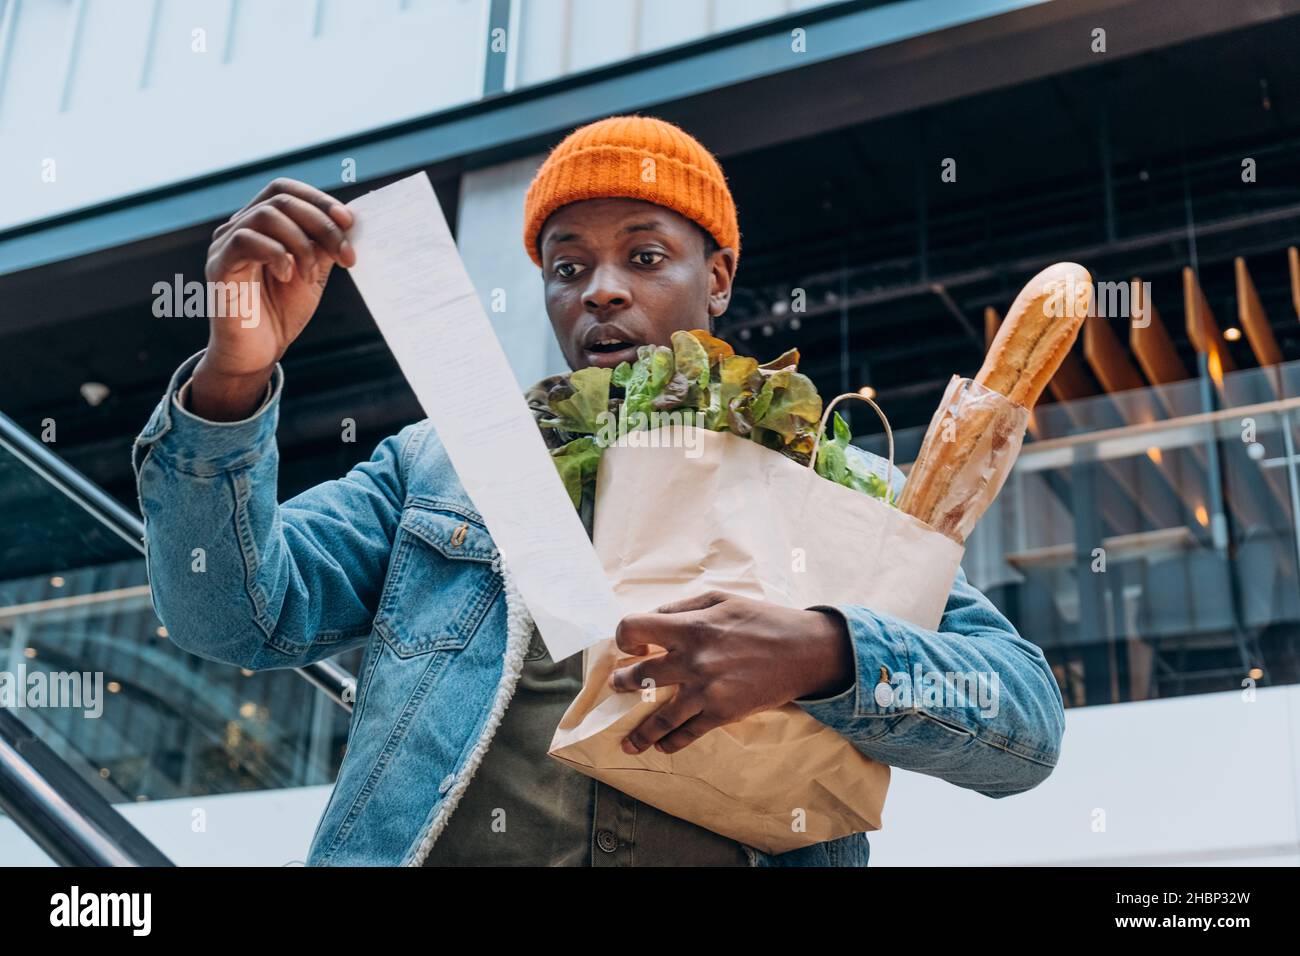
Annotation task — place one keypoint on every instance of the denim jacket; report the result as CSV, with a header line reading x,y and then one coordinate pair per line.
x,y
394,558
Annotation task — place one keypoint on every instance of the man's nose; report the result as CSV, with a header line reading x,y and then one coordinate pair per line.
x,y
606,290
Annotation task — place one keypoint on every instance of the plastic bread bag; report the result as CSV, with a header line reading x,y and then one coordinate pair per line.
x,y
968,451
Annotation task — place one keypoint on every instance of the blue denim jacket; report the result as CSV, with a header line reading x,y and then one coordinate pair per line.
x,y
394,557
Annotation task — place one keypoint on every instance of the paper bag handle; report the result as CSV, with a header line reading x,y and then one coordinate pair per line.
x,y
889,434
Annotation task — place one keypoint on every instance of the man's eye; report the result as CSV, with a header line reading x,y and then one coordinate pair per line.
x,y
562,266
640,257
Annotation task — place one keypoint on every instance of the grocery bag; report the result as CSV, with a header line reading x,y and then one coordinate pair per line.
x,y
728,514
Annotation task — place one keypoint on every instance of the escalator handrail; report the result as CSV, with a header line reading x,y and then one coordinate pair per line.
x,y
335,681
62,813
76,486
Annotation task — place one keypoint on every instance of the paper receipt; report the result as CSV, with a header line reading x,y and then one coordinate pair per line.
x,y
412,278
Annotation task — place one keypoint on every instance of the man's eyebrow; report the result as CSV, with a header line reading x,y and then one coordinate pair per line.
x,y
649,225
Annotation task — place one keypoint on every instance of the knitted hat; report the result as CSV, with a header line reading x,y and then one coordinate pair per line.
x,y
638,157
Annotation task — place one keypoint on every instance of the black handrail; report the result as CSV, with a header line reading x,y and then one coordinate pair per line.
x,y
334,680
58,808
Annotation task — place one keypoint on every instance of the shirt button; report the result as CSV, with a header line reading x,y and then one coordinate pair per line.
x,y
607,841
447,781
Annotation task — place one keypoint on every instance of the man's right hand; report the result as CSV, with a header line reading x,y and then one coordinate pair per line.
x,y
287,241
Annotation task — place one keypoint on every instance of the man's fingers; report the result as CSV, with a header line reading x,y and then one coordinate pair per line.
x,y
247,246
312,237
669,625
697,603
323,230
637,632
662,722
284,186
688,733
318,198
661,671
273,222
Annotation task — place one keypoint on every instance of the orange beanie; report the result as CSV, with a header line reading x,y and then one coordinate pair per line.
x,y
610,158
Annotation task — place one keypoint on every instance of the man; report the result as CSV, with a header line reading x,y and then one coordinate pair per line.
x,y
634,228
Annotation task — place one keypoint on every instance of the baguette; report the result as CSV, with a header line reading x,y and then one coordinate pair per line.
x,y
1039,331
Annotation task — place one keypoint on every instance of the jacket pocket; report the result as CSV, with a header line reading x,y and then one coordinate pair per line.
x,y
441,580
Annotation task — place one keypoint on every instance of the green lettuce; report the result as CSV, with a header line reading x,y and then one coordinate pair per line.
x,y
835,463
577,463
578,401
773,404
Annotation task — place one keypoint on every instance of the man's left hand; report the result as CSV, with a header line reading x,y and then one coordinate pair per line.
x,y
729,657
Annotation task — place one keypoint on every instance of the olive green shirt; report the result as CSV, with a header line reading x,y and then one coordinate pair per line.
x,y
525,808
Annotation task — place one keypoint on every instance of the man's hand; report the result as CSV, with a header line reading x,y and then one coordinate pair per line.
x,y
729,657
280,249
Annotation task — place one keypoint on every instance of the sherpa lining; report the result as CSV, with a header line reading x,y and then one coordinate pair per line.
x,y
519,631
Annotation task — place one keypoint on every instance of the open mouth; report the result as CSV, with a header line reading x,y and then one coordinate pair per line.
x,y
608,352
612,345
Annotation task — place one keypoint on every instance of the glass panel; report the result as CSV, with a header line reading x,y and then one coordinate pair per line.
x,y
88,667
46,529
1147,540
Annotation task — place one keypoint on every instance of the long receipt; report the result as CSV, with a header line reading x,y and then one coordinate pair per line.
x,y
413,281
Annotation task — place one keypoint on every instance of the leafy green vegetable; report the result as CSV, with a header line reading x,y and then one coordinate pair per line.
x,y
836,463
716,349
578,401
787,359
773,404
577,463
738,385
792,408
645,379
692,361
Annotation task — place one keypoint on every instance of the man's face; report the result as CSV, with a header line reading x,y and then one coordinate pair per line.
x,y
620,273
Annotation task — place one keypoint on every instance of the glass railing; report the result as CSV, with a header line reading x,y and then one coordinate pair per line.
x,y
1148,540
157,721
87,666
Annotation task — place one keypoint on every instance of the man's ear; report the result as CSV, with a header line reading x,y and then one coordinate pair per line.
x,y
722,272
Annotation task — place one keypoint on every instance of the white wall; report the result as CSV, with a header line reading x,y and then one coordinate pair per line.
x,y
558,37
490,228
1201,780
101,99
124,95
260,828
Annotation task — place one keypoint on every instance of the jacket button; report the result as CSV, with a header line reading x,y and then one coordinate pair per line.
x,y
458,536
447,781
607,841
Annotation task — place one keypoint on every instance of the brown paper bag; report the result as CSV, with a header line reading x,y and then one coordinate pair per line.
x,y
734,516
